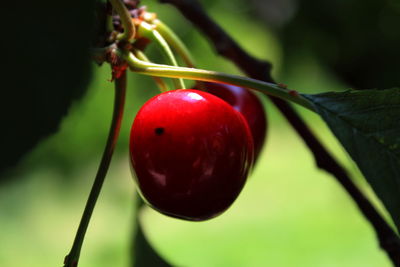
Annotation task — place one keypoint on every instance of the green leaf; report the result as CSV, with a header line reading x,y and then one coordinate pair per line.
x,y
144,254
367,123
46,66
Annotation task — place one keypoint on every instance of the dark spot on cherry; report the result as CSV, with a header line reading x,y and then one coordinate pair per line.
x,y
159,131
198,171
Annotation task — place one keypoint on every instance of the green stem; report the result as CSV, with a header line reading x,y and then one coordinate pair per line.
x,y
126,20
71,260
160,83
174,41
148,31
159,70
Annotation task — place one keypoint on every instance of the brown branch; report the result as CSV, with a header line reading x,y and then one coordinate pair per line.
x,y
227,47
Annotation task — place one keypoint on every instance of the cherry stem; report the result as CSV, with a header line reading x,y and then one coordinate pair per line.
x,y
174,41
147,30
160,83
160,70
71,260
126,20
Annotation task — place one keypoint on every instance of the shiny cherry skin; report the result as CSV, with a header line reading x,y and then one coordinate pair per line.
x,y
248,104
191,153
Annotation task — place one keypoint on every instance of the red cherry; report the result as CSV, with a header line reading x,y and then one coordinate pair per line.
x,y
248,104
191,153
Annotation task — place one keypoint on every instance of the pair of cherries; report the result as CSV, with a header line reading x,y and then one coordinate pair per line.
x,y
192,150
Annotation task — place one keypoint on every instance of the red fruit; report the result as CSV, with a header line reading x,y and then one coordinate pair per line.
x,y
191,153
248,104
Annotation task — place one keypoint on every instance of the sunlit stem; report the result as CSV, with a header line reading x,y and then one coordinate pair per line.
x,y
159,70
126,20
71,260
148,31
160,83
175,42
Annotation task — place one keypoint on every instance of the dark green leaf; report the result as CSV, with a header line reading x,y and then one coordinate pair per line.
x,y
367,123
144,254
46,65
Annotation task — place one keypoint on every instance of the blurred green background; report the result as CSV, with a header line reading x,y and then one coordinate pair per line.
x,y
289,213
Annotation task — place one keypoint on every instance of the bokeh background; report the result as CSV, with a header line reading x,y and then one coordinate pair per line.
x,y
289,213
